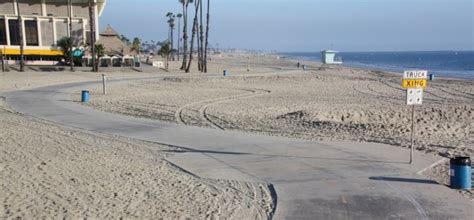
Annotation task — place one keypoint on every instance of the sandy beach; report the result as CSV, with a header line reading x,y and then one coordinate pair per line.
x,y
52,171
201,109
49,171
333,103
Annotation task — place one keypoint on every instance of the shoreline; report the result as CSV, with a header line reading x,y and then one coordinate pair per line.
x,y
439,74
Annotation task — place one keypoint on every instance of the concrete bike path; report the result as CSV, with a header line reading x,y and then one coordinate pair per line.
x,y
312,180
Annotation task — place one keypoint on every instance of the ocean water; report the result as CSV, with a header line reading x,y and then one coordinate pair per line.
x,y
452,64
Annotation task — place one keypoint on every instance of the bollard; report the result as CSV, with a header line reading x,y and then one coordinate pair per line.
x,y
460,173
226,73
85,96
104,84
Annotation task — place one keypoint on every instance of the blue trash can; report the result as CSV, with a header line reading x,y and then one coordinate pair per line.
x,y
85,96
432,77
226,73
460,173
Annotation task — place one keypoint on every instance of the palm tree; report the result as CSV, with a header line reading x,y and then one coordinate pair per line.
x,y
207,35
165,52
124,38
136,45
100,51
195,27
171,17
179,15
185,4
65,44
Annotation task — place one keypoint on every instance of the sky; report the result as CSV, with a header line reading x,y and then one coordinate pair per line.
x,y
310,25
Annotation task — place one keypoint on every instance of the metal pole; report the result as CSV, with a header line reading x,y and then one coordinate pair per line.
x,y
412,132
104,84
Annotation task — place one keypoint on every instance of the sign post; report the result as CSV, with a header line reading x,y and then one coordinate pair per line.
x,y
414,81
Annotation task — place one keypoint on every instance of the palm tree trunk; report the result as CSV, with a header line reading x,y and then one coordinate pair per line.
x,y
172,43
201,39
207,36
97,64
179,37
92,33
198,45
185,35
169,34
195,27
20,33
71,53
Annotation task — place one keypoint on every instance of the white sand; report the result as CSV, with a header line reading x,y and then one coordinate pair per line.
x,y
48,171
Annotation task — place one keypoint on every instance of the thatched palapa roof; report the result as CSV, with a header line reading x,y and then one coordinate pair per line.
x,y
112,43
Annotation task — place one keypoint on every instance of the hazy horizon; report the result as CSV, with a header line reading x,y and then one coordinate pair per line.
x,y
384,51
311,25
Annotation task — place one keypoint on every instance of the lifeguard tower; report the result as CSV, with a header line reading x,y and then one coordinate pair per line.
x,y
329,57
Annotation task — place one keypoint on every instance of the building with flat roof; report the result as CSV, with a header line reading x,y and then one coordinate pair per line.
x,y
43,23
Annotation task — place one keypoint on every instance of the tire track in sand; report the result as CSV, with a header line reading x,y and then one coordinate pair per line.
x,y
456,93
205,116
179,115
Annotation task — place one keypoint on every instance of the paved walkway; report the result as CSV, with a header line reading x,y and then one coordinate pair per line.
x,y
312,180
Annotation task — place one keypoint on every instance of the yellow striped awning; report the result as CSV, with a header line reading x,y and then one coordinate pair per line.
x,y
33,52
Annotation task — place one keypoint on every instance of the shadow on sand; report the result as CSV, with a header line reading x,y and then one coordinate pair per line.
x,y
403,180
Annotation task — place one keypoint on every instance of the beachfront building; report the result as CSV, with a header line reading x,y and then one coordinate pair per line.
x,y
330,57
43,24
117,52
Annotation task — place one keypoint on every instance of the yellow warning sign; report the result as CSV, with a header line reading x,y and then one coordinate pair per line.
x,y
414,83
